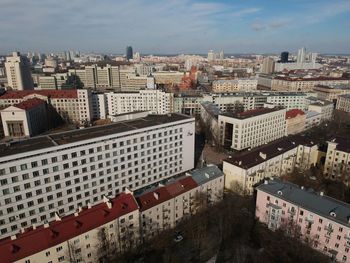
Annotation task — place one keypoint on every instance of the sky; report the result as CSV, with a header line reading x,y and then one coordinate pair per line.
x,y
175,26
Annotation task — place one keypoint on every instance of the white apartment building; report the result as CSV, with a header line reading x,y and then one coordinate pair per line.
x,y
244,171
325,108
313,119
25,119
337,165
73,105
61,172
229,85
251,128
155,101
343,103
79,237
164,207
18,72
99,106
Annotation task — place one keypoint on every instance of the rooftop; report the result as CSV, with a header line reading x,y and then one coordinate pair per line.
x,y
205,174
343,144
52,140
251,113
35,240
57,94
294,113
308,199
211,108
319,78
249,159
29,104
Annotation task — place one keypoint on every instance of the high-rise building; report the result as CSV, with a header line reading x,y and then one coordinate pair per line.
x,y
211,55
129,53
301,55
284,57
268,65
18,72
221,55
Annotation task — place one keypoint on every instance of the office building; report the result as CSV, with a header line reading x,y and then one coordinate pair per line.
x,y
251,128
59,173
343,103
284,57
321,220
78,237
245,170
301,55
129,53
18,72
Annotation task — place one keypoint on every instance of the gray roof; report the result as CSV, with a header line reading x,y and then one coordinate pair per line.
x,y
309,200
211,108
206,174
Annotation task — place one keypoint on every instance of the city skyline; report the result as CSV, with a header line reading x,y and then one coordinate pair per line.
x,y
175,27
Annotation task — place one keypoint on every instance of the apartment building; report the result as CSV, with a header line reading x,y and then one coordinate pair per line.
x,y
73,105
331,93
245,170
298,83
164,207
64,171
25,119
188,103
229,85
313,119
337,164
168,77
78,237
343,103
99,106
320,220
325,108
155,101
251,128
209,117
18,72
295,121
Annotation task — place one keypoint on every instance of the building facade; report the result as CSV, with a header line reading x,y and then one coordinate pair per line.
x,y
320,220
295,121
64,171
18,72
252,128
229,85
343,103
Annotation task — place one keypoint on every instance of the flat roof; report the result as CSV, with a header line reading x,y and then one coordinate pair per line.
x,y
309,199
251,113
62,138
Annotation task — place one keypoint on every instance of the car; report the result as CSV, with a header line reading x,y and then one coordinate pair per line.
x,y
178,238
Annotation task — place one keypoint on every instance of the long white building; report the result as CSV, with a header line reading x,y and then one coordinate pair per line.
x,y
251,128
62,172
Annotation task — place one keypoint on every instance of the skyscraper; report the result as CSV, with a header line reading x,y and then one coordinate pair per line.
x,y
268,65
18,72
301,55
129,54
211,55
284,57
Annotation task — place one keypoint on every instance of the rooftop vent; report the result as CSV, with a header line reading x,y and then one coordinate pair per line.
x,y
266,182
57,217
333,214
321,193
156,195
262,155
109,204
207,175
13,237
46,224
279,192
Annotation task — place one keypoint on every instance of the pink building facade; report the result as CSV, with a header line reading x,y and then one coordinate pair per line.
x,y
319,220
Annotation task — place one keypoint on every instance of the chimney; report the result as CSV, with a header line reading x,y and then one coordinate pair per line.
x,y
89,205
156,195
57,217
76,213
80,209
262,155
240,163
321,193
105,199
109,204
46,224
22,230
13,237
266,182
34,226
207,175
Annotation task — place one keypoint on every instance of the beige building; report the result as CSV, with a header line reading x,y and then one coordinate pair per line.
x,y
251,128
244,171
325,108
80,237
168,77
164,207
337,165
228,85
73,105
343,103
26,119
331,93
295,121
18,72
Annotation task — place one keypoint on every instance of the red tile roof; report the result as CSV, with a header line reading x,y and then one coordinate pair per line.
x,y
293,113
34,241
29,104
164,193
57,94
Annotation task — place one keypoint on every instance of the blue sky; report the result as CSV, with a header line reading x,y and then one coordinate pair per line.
x,y
175,26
